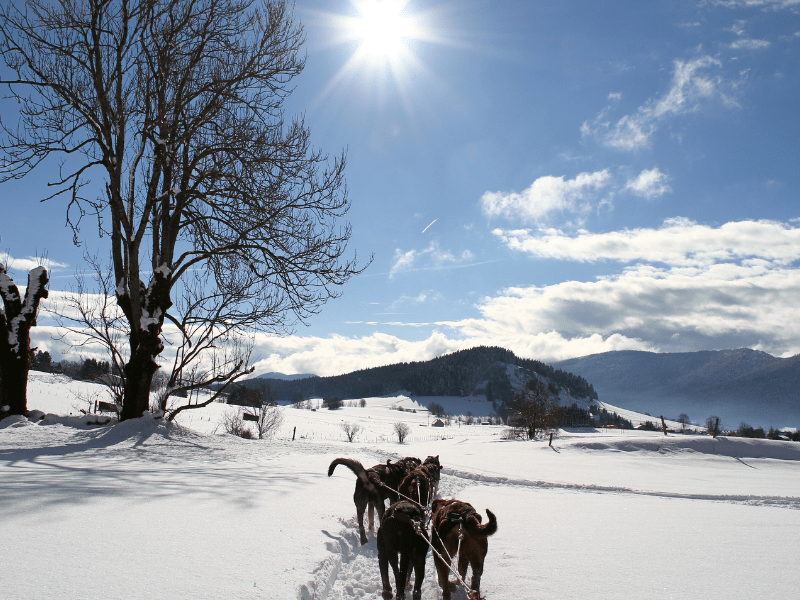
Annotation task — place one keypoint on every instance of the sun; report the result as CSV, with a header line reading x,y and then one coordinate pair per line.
x,y
389,40
383,30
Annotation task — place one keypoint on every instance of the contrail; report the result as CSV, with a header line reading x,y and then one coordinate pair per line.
x,y
429,226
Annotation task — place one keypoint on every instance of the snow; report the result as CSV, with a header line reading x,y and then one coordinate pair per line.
x,y
146,321
148,509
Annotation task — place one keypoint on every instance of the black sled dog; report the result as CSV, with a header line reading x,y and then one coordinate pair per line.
x,y
402,534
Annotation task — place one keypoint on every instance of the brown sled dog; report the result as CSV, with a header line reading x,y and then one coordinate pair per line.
x,y
419,484
402,533
373,486
451,518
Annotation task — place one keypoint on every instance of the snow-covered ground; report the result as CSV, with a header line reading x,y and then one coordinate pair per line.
x,y
145,509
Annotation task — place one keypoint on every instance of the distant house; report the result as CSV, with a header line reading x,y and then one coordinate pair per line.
x,y
438,423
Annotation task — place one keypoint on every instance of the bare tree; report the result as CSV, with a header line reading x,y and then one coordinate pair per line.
x,y
402,430
712,426
89,319
17,316
683,419
176,106
534,409
351,430
268,415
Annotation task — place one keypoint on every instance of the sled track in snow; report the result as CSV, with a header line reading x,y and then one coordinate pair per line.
x,y
789,502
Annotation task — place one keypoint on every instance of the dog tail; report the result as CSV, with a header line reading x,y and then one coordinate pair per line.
x,y
354,465
487,529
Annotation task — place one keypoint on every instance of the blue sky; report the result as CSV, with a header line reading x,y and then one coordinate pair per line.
x,y
559,178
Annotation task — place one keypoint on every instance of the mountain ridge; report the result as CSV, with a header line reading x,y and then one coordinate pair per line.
x,y
738,384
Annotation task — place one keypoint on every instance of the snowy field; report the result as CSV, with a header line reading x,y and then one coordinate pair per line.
x,y
145,509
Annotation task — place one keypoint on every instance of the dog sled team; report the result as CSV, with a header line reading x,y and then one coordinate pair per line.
x,y
456,529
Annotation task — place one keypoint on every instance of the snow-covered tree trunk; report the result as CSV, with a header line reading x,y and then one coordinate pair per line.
x,y
17,316
146,314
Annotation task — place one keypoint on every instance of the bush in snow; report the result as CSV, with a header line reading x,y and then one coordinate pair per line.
x,y
233,423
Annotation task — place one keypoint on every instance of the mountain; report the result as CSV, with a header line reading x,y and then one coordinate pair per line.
x,y
737,385
495,373
284,377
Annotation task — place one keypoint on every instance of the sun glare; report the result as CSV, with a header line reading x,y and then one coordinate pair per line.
x,y
383,30
389,39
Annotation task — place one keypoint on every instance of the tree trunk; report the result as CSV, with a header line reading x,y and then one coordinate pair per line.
x,y
15,343
138,378
145,341
14,367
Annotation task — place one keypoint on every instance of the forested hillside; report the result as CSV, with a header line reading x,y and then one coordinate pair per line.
x,y
456,374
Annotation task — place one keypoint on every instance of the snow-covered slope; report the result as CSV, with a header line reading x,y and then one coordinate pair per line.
x,y
144,509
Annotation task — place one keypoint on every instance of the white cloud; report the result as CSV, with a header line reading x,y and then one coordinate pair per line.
x,y
31,262
775,4
749,44
692,86
678,242
545,196
403,261
649,184
336,354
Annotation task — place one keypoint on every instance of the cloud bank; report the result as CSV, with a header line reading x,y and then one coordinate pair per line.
x,y
683,286
678,242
